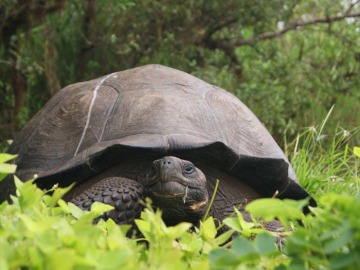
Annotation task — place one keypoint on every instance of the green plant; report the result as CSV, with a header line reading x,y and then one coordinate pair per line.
x,y
330,238
39,230
6,168
326,162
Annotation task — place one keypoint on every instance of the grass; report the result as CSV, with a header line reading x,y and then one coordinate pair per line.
x,y
326,162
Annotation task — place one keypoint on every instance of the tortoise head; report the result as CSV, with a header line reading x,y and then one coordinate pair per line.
x,y
178,188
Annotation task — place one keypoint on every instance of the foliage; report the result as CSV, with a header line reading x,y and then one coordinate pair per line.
x,y
330,238
38,230
6,168
325,162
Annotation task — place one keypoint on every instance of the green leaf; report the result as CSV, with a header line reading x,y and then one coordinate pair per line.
x,y
265,244
340,229
223,259
100,208
28,194
61,259
243,247
271,208
71,208
7,168
113,259
208,228
2,176
233,223
302,240
58,193
343,261
178,230
6,157
357,151
338,242
221,239
239,224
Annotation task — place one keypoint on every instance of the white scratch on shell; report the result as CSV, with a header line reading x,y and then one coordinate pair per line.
x,y
216,120
89,112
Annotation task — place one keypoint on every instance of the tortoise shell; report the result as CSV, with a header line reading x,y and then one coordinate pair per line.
x,y
154,111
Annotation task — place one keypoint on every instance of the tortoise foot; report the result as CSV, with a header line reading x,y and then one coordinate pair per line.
x,y
122,193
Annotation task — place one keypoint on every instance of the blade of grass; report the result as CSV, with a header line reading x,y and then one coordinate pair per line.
x,y
212,199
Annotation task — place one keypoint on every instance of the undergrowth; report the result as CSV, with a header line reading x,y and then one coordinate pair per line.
x,y
41,231
327,163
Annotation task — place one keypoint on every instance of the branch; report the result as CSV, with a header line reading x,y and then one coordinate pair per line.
x,y
226,44
226,23
353,4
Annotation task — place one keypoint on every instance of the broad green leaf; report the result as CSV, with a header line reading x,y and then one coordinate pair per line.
x,y
6,157
71,208
18,183
7,168
58,193
239,224
340,229
37,259
61,259
208,228
3,263
28,194
302,240
233,223
344,261
265,243
271,208
338,242
113,259
223,259
357,151
178,230
144,227
221,239
191,244
245,225
244,249
2,176
100,208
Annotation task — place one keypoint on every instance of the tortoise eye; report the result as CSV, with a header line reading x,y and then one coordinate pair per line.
x,y
189,168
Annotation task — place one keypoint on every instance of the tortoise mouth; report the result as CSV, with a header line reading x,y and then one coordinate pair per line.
x,y
169,184
171,189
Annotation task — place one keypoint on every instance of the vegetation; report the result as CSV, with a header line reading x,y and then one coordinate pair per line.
x,y
41,231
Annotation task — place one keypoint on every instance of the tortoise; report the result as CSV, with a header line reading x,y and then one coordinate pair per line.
x,y
156,132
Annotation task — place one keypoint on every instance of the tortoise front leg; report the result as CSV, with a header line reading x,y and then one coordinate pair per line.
x,y
122,193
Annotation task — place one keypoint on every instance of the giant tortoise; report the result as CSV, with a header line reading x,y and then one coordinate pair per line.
x,y
158,132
